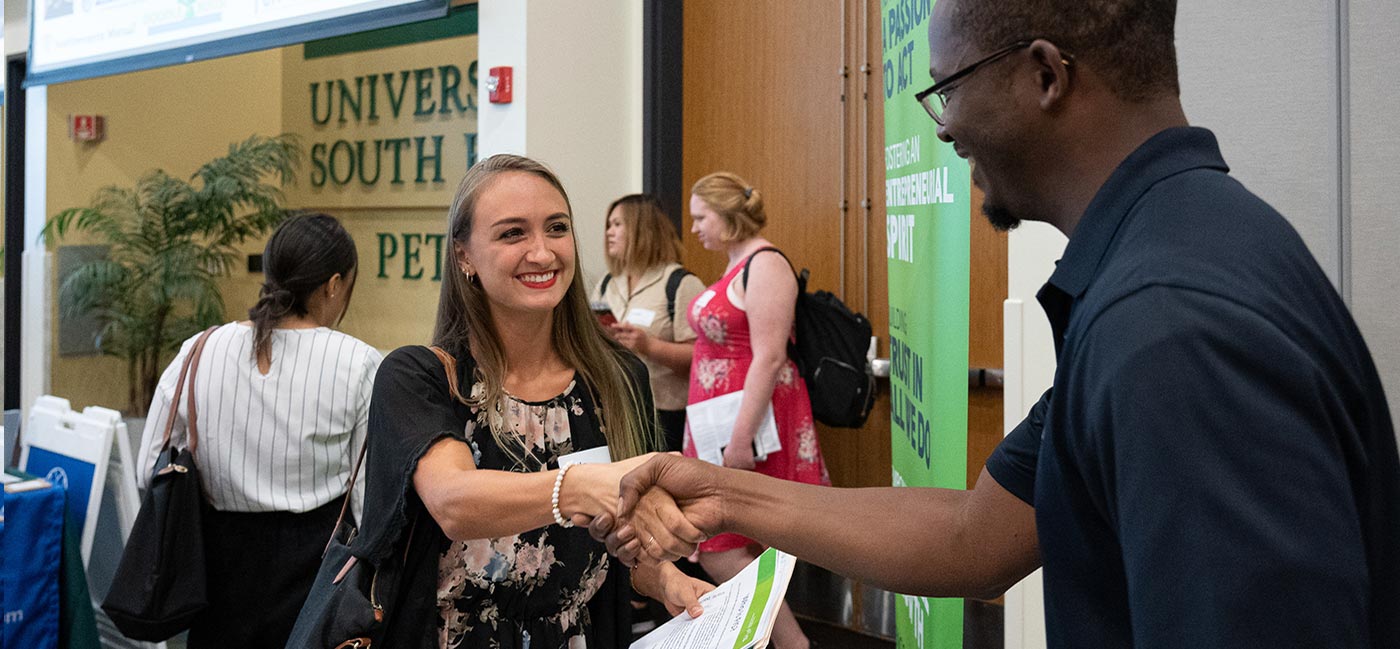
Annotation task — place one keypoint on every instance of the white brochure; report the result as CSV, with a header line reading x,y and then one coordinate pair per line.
x,y
711,424
738,615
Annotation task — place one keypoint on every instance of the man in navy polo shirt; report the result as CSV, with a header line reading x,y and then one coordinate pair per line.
x,y
1215,465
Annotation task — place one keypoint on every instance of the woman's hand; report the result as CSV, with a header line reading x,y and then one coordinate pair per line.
x,y
739,455
631,337
676,590
591,489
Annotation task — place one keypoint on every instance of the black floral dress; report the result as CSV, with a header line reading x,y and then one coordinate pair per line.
x,y
548,588
530,589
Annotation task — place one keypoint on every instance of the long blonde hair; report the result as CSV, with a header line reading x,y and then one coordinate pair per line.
x,y
464,324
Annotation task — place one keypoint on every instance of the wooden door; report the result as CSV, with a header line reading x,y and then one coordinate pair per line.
x,y
789,100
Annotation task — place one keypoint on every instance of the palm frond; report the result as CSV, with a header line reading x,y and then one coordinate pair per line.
x,y
170,240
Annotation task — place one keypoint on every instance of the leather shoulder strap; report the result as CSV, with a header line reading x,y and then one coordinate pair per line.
x,y
450,365
188,369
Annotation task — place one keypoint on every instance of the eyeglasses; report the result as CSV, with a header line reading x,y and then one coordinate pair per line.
x,y
935,98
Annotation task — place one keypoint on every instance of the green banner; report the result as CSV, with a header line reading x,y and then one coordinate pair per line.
x,y
928,216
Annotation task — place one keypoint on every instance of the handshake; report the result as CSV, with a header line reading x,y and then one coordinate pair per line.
x,y
667,506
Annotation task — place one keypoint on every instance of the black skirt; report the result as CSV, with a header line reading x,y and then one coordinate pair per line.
x,y
260,568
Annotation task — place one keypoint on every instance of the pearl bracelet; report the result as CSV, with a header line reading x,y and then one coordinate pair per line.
x,y
554,498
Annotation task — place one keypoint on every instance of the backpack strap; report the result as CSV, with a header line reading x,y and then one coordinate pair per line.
x,y
603,287
801,283
673,284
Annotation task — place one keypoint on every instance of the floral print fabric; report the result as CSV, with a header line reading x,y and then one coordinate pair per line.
x,y
528,590
720,365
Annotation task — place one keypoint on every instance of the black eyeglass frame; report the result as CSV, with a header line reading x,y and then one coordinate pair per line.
x,y
942,86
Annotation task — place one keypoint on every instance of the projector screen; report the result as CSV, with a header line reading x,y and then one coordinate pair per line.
x,y
78,39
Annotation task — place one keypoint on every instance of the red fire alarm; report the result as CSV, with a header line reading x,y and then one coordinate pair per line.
x,y
498,85
85,128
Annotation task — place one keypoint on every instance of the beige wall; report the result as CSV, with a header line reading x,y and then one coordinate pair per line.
x,y
180,117
175,119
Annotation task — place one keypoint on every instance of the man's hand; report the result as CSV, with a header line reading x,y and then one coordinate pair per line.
x,y
661,541
667,507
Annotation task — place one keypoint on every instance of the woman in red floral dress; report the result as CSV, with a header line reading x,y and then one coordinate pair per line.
x,y
742,345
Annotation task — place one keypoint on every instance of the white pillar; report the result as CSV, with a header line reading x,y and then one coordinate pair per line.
x,y
1030,369
577,100
36,325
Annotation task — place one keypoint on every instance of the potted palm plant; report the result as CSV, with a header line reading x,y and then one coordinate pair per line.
x,y
169,241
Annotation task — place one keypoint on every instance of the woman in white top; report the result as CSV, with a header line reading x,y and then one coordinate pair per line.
x,y
282,401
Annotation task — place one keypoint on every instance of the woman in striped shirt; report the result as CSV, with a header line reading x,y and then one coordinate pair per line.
x,y
282,401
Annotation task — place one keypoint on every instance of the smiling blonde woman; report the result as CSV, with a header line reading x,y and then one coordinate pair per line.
x,y
467,505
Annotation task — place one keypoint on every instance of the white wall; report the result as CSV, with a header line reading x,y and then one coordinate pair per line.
x,y
1375,168
1262,74
577,104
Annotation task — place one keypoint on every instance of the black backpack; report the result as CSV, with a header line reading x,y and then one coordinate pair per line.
x,y
673,284
832,341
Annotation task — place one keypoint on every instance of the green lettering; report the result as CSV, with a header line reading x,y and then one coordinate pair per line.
x,y
318,164
396,102
345,97
436,240
364,161
315,97
397,144
451,78
423,84
350,157
471,147
436,157
393,242
472,93
410,255
373,96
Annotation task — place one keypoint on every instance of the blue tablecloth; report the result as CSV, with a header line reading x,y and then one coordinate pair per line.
x,y
31,550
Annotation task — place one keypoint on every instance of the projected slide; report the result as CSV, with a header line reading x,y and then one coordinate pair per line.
x,y
81,38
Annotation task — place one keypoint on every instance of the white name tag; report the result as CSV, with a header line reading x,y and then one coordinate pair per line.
x,y
641,317
704,299
598,455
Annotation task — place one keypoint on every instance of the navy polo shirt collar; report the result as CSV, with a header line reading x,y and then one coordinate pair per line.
x,y
1165,154
1170,152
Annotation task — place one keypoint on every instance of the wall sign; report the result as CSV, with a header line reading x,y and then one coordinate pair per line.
x,y
388,118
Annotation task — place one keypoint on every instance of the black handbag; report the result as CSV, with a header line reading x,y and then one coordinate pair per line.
x,y
159,586
342,611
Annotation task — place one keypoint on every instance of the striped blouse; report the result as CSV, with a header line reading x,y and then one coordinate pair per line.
x,y
284,441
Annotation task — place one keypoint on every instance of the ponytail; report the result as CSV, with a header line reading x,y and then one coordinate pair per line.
x,y
302,255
